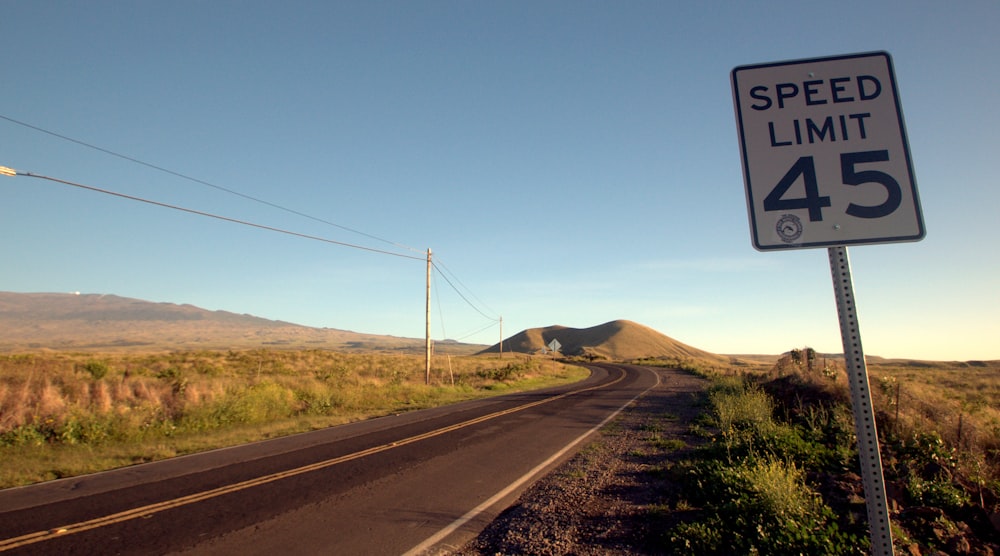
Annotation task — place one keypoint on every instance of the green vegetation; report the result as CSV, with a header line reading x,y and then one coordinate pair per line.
x,y
748,483
67,414
758,506
774,465
769,468
96,369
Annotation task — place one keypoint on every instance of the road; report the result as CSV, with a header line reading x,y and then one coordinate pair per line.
x,y
413,483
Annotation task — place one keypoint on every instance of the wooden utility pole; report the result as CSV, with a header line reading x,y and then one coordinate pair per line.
x,y
501,336
427,337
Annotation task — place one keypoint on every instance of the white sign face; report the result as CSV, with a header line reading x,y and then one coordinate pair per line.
x,y
825,157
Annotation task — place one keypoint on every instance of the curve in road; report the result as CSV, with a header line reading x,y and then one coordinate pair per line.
x,y
387,486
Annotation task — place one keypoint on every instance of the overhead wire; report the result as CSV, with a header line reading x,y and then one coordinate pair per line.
x,y
211,215
437,296
444,271
460,294
474,332
440,267
493,321
201,182
443,266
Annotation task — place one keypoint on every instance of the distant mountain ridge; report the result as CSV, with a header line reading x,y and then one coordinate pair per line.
x,y
618,340
107,307
105,322
69,321
95,322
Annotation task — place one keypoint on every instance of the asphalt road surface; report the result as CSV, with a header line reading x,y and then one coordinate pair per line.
x,y
415,483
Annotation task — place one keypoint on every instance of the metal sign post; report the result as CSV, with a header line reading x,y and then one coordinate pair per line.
x,y
826,163
861,401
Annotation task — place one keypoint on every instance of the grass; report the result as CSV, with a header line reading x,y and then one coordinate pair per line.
x,y
745,490
738,405
668,444
758,506
65,414
780,444
958,403
700,367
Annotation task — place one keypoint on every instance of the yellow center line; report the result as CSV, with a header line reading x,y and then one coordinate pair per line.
x,y
149,510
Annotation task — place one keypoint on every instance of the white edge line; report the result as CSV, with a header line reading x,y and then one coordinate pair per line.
x,y
474,512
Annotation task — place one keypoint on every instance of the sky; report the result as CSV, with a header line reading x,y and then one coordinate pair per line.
x,y
568,163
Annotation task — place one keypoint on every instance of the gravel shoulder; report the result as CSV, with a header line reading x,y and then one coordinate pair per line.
x,y
604,500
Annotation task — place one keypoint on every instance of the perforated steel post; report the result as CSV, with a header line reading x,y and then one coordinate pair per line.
x,y
861,401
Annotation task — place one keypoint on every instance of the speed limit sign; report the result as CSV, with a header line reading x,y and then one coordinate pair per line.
x,y
825,156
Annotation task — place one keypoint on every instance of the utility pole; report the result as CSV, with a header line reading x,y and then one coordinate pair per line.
x,y
427,347
501,336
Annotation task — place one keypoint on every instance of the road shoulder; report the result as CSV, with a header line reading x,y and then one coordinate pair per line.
x,y
602,500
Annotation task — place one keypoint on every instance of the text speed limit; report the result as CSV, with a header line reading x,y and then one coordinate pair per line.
x,y
825,157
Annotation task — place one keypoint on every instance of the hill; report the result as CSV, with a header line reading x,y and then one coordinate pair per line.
x,y
616,340
94,322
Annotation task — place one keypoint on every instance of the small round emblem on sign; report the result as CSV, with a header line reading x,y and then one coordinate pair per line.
x,y
789,228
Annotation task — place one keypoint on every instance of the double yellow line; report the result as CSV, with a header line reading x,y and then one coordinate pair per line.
x,y
149,510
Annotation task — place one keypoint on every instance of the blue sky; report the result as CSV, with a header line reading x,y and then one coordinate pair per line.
x,y
567,162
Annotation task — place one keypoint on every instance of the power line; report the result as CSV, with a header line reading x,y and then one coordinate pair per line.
x,y
7,171
490,309
200,181
460,294
444,333
443,270
473,333
11,172
493,320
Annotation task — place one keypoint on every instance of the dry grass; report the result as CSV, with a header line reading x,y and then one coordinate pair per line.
x,y
64,414
954,403
959,403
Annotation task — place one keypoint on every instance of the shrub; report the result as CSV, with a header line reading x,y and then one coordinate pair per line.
x,y
502,374
927,467
939,493
760,507
316,399
96,369
739,406
753,497
257,404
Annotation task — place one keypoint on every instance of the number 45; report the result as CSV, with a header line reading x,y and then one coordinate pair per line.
x,y
806,167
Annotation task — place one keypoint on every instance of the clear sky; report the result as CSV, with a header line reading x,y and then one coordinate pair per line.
x,y
567,162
